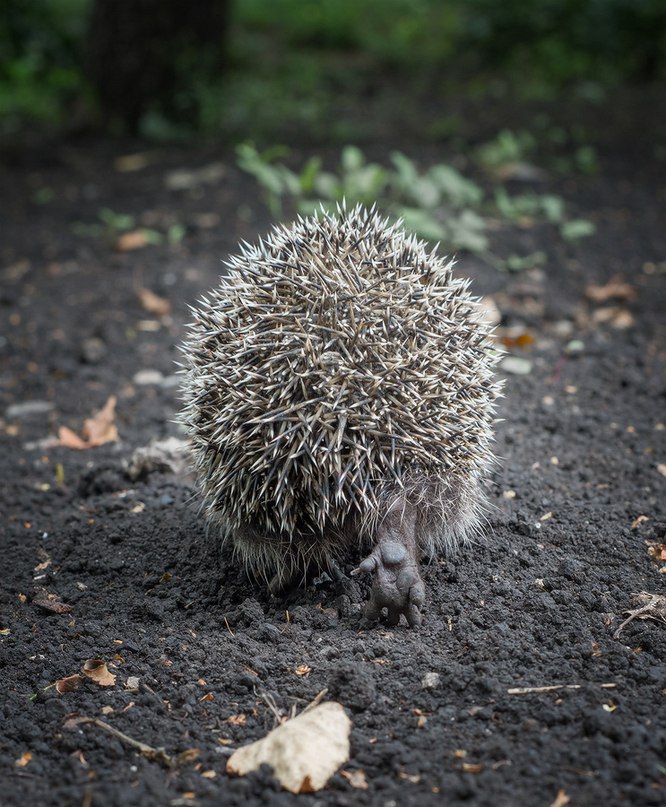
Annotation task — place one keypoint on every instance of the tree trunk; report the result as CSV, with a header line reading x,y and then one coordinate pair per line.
x,y
141,53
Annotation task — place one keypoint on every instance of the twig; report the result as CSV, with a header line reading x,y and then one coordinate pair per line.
x,y
551,688
654,608
269,700
154,754
317,700
226,622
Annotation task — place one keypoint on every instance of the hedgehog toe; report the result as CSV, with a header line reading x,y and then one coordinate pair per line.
x,y
397,586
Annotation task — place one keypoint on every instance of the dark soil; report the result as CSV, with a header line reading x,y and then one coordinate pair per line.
x,y
576,532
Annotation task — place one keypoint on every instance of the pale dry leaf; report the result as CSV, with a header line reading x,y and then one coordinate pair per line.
x,y
101,428
615,289
69,439
97,671
615,316
46,562
561,800
304,752
153,303
134,239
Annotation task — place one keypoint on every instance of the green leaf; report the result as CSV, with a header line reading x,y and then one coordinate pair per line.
x,y
577,228
422,223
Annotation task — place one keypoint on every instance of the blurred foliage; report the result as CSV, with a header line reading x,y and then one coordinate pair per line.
x,y
40,58
287,59
437,202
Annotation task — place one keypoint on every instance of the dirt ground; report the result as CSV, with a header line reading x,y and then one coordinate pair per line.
x,y
96,565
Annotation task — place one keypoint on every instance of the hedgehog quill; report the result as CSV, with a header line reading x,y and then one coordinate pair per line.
x,y
339,396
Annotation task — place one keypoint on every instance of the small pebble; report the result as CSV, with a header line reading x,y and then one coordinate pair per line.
x,y
93,350
431,680
515,365
28,408
146,377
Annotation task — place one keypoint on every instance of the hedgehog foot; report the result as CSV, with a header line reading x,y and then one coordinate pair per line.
x,y
397,586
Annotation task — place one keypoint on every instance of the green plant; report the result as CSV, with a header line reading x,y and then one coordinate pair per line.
x,y
438,203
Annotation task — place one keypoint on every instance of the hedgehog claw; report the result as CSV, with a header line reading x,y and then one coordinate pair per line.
x,y
394,560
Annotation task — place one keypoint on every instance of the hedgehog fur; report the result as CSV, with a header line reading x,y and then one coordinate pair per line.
x,y
338,371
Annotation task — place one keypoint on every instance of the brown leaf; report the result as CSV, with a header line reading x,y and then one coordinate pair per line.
x,y
561,800
134,239
522,340
615,289
24,759
97,430
97,671
236,720
68,684
68,439
154,304
50,602
189,755
100,428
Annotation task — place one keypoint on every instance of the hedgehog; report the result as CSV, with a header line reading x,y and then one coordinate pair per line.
x,y
339,396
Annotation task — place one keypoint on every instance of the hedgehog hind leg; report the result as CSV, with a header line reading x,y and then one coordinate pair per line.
x,y
394,560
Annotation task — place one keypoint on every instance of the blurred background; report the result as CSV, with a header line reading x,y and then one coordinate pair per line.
x,y
316,70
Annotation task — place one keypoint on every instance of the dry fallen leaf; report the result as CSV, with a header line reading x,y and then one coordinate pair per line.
x,y
24,759
46,562
522,340
615,316
134,239
614,289
561,800
69,439
100,428
304,752
68,684
50,602
97,671
236,720
97,430
153,303
303,670
638,521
